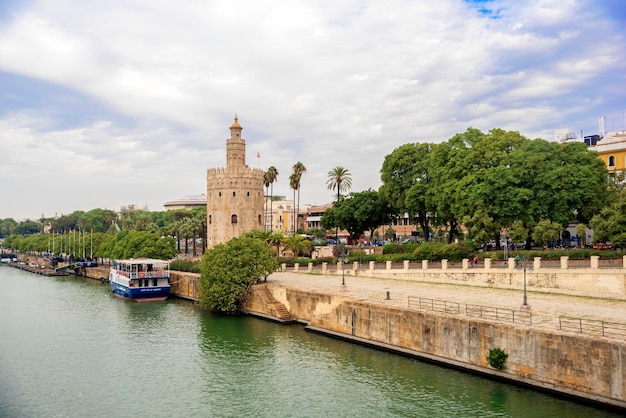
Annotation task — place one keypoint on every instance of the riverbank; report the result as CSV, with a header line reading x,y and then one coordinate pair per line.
x,y
588,367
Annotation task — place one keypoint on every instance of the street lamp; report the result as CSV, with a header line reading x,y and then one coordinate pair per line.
x,y
343,258
524,266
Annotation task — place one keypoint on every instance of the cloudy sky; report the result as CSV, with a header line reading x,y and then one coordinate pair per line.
x,y
117,102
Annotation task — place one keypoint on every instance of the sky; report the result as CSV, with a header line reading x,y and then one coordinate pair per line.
x,y
120,102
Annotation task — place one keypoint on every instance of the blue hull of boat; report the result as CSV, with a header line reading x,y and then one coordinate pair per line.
x,y
140,293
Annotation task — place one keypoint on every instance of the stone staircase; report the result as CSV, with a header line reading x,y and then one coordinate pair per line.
x,y
277,309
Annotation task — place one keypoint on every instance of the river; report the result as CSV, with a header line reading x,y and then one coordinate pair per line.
x,y
68,348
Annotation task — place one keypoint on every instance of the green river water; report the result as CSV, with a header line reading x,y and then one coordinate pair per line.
x,y
68,348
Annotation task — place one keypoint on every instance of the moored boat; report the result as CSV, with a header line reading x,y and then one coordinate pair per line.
x,y
140,279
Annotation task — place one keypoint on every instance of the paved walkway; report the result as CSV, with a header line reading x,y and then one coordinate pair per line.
x,y
545,307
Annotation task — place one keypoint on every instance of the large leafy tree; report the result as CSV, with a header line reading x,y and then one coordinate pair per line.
x,y
610,224
406,179
359,212
545,180
461,169
136,244
230,269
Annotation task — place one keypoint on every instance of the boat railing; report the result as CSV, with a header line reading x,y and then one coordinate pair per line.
x,y
144,274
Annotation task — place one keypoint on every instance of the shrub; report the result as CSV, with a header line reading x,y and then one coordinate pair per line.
x,y
188,266
496,358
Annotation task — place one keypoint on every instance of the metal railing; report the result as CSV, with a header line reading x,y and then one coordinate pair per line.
x,y
592,326
499,314
434,305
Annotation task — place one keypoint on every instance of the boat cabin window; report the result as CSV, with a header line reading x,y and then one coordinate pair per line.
x,y
154,282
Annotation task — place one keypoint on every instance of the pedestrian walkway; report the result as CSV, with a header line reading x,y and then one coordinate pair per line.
x,y
546,308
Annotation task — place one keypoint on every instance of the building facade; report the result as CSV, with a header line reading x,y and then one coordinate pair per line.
x,y
235,198
612,150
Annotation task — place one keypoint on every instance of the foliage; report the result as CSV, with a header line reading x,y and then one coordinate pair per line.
x,y
340,250
491,180
518,233
406,179
276,240
228,270
546,231
398,248
497,358
360,212
298,245
189,266
439,251
136,244
339,178
610,224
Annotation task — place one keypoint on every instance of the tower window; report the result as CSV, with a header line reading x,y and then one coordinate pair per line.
x,y
234,194
612,161
233,219
220,194
260,220
210,219
248,194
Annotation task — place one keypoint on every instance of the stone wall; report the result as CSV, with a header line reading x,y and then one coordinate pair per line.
x,y
592,368
184,285
591,280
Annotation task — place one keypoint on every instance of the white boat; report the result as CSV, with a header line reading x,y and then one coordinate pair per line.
x,y
140,279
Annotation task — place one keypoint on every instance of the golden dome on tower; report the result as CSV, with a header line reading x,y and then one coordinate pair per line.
x,y
236,123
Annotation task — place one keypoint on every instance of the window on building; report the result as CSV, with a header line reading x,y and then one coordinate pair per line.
x,y
234,194
220,194
260,222
612,161
210,219
233,219
248,194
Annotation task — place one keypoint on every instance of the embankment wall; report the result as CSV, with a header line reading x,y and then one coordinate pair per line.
x,y
590,368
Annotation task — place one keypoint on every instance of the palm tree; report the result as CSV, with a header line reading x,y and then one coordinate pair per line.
x,y
298,245
276,240
298,169
339,178
267,183
272,176
293,183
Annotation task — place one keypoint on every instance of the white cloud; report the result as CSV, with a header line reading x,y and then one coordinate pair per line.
x,y
325,83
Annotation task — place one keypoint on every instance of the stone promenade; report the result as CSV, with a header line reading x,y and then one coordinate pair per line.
x,y
546,308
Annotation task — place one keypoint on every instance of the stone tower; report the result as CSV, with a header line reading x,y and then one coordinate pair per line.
x,y
235,196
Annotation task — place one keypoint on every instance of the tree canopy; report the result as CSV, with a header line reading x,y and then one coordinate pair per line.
x,y
228,270
489,181
357,213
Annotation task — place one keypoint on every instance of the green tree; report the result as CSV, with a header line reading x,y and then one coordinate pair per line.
x,y
339,179
272,176
137,244
293,183
406,179
7,226
298,245
229,270
360,212
546,231
610,224
276,240
298,169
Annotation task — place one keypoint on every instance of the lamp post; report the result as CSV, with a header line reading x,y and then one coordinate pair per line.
x,y
343,258
524,265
